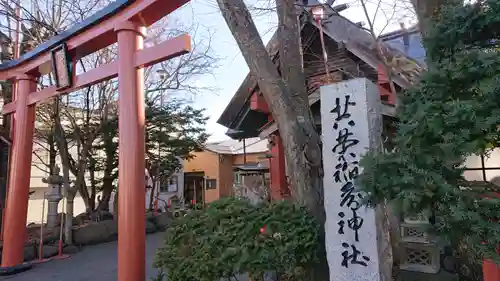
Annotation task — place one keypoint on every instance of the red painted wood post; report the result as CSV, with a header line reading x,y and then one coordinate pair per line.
x,y
16,209
279,185
491,272
131,198
384,86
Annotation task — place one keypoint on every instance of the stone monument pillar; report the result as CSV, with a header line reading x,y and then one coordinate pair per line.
x,y
55,195
351,123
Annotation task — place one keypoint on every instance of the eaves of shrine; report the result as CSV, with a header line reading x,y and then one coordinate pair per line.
x,y
243,122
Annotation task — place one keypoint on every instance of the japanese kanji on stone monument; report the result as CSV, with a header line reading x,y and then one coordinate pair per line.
x,y
351,124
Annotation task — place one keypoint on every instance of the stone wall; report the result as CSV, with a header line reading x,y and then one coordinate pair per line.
x,y
88,233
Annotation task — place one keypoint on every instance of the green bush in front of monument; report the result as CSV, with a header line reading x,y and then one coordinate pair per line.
x,y
231,237
451,114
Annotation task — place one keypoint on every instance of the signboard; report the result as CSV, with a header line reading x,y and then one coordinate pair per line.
x,y
61,67
351,233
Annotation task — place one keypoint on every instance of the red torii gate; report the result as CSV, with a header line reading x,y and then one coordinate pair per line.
x,y
125,22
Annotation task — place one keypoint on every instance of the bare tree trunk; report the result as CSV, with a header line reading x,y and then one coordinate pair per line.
x,y
51,138
80,180
93,182
426,10
89,199
107,189
70,191
107,184
287,99
152,172
153,176
52,152
294,120
152,197
384,244
303,142
289,50
115,205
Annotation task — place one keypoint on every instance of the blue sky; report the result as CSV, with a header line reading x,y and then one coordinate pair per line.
x,y
233,67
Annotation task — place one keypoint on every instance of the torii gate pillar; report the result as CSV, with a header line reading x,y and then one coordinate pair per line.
x,y
131,215
18,194
123,22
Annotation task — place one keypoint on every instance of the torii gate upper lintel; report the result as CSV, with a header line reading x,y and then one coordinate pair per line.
x,y
124,22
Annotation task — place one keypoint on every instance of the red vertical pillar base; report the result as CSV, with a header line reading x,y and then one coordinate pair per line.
x,y
11,270
9,158
16,209
279,186
131,165
491,271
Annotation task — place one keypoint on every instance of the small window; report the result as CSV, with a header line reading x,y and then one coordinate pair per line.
x,y
482,167
164,186
173,184
170,185
211,184
238,178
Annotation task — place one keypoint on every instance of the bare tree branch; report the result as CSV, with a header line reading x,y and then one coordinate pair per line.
x,y
77,124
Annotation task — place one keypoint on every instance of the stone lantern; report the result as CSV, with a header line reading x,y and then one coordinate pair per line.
x,y
54,195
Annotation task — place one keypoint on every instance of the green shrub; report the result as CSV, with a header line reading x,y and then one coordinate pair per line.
x,y
232,237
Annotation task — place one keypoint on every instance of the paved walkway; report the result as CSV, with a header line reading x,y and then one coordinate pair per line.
x,y
94,263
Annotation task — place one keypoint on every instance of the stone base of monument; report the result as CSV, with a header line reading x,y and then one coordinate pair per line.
x,y
418,276
421,257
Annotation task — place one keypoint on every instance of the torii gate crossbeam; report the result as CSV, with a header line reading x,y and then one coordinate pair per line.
x,y
124,22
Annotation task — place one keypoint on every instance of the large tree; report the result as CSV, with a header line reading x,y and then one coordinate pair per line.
x,y
173,131
286,95
452,114
428,11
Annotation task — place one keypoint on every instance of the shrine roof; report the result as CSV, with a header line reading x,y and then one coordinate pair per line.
x,y
355,39
96,18
408,41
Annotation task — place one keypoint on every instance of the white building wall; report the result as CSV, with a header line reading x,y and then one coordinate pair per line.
x,y
39,171
35,206
165,196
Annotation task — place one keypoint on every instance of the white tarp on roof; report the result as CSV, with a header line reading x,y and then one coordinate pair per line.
x,y
252,145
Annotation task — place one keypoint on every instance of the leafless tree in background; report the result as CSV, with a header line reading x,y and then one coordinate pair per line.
x,y
71,128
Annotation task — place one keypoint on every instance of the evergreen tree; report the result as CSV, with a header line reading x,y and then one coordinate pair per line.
x,y
453,113
173,132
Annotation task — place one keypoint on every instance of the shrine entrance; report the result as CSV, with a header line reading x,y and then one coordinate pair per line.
x,y
194,188
123,22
